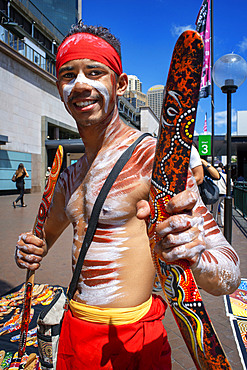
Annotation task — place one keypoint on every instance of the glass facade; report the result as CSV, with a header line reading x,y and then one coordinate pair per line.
x,y
61,13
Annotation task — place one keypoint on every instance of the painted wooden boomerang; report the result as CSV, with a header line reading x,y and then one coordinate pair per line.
x,y
169,178
37,230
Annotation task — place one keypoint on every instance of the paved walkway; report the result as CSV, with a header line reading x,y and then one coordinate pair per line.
x,y
57,270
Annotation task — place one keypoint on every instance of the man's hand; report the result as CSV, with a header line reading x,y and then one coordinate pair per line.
x,y
182,234
30,251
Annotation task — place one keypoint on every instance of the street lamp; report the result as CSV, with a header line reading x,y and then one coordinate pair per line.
x,y
229,72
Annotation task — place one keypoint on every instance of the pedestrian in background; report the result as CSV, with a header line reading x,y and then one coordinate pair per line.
x,y
20,174
218,207
47,174
210,170
240,178
196,165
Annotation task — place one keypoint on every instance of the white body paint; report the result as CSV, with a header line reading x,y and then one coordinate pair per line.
x,y
81,78
111,254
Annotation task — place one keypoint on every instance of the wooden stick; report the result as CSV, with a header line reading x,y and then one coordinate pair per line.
x,y
37,231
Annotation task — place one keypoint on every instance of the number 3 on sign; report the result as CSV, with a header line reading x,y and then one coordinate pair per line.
x,y
204,149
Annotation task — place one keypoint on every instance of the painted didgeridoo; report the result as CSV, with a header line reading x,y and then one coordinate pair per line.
x,y
169,178
37,230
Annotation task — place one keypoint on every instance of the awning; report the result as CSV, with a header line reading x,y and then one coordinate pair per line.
x,y
3,139
69,145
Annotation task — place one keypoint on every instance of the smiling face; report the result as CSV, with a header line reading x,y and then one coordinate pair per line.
x,y
89,90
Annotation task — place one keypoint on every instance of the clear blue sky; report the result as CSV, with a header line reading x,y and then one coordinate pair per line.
x,y
148,31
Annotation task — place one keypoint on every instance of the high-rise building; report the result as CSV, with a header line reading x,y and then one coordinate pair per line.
x,y
136,98
134,83
61,13
134,92
155,98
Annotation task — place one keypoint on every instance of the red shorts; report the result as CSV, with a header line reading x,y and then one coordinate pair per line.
x,y
142,345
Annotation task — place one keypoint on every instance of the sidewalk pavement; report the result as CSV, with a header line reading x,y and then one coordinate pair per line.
x,y
56,270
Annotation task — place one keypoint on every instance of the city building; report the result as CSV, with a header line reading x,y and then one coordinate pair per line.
x,y
136,98
134,92
134,83
155,98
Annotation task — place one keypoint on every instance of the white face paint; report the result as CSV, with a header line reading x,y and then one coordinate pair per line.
x,y
81,78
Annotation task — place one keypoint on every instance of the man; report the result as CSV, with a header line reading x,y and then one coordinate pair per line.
x,y
113,322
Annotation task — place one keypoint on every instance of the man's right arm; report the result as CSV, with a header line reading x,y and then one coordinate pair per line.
x,y
30,249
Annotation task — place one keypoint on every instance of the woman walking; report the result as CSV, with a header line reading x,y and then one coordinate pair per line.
x,y
20,174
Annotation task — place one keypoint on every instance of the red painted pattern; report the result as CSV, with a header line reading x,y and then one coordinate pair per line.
x,y
90,274
96,282
210,225
212,232
25,319
229,254
48,192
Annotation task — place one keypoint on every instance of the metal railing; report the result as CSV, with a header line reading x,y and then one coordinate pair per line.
x,y
240,197
27,51
42,18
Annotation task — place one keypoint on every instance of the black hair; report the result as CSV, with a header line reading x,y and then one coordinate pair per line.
x,y
99,31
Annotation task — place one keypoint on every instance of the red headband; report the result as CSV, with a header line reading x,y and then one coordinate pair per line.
x,y
87,46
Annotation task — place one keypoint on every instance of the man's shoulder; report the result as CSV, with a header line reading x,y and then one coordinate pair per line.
x,y
146,148
148,140
128,136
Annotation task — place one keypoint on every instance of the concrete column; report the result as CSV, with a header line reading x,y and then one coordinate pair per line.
x,y
56,133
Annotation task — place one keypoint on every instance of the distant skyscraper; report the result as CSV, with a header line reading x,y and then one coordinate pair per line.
x,y
155,98
134,92
61,13
134,83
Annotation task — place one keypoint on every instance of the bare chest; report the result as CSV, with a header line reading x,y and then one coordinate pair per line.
x,y
120,204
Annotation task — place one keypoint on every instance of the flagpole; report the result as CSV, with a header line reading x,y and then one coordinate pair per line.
x,y
212,82
205,128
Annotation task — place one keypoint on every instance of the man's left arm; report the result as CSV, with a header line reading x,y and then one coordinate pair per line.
x,y
191,233
214,262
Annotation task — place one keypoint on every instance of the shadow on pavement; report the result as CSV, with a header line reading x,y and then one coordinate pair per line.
x,y
5,287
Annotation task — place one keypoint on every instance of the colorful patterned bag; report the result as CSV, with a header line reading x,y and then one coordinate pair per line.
x,y
48,330
209,191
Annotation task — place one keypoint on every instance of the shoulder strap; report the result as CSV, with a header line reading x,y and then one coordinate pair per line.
x,y
92,225
222,177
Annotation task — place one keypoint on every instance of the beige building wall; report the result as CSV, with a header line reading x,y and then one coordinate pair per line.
x,y
149,121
